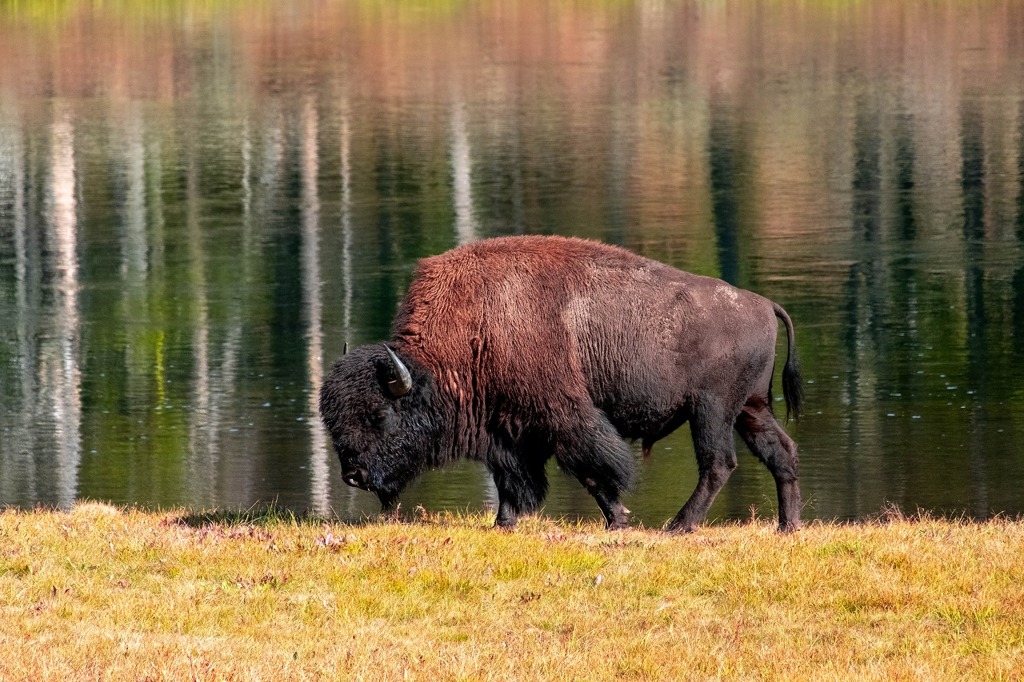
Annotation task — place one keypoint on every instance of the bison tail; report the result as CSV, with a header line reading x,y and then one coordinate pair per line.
x,y
792,384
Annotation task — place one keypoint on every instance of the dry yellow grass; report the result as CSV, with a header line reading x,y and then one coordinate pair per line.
x,y
112,594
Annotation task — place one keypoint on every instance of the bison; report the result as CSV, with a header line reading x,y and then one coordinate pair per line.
x,y
518,349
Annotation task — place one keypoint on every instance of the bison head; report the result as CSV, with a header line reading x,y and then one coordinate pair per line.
x,y
379,416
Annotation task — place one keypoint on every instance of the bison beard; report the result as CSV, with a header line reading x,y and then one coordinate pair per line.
x,y
515,350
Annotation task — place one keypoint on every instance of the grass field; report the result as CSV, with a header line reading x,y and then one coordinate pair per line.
x,y
100,593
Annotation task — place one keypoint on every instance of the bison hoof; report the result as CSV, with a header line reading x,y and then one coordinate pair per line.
x,y
787,527
505,523
619,521
680,528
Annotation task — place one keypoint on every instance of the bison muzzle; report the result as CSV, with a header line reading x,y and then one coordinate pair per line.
x,y
515,350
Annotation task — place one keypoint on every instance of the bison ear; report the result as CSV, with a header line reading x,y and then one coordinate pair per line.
x,y
401,383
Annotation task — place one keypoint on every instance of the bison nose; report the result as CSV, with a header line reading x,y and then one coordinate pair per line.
x,y
355,477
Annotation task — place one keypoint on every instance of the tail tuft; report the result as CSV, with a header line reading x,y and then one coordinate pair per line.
x,y
792,388
792,383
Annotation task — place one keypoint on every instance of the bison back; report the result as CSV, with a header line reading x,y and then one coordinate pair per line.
x,y
549,324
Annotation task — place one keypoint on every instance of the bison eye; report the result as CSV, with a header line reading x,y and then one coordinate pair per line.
x,y
390,422
384,421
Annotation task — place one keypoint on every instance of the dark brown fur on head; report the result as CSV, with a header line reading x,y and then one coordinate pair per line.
x,y
383,442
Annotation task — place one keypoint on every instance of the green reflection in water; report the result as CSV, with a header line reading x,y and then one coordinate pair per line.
x,y
200,203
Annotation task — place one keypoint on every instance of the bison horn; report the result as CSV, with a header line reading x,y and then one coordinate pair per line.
x,y
402,383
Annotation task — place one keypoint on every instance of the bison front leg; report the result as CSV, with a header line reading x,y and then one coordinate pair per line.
x,y
521,489
716,460
508,513
616,516
596,455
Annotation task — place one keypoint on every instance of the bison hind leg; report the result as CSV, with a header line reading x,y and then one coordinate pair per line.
x,y
602,462
713,444
772,445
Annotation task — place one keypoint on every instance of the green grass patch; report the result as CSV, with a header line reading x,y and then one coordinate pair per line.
x,y
123,594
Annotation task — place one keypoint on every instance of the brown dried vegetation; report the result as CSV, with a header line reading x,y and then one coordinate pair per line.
x,y
104,593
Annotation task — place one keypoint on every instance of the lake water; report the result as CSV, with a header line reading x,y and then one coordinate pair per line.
x,y
202,202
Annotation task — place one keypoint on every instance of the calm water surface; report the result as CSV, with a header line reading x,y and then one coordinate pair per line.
x,y
200,203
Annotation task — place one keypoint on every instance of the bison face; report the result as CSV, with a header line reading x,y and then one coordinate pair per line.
x,y
379,417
